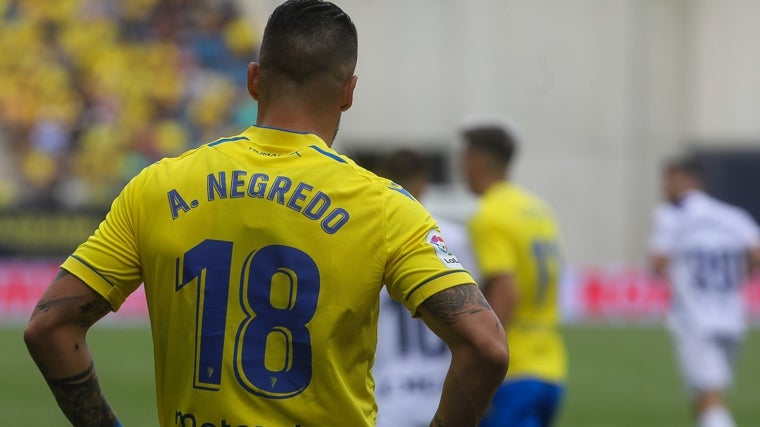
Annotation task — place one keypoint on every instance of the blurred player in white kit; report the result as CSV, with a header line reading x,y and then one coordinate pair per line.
x,y
706,249
411,361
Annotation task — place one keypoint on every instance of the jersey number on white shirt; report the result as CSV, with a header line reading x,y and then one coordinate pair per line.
x,y
716,271
413,335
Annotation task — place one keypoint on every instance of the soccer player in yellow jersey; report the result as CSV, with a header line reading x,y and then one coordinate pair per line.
x,y
515,239
263,256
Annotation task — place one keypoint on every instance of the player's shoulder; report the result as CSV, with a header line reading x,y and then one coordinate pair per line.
x,y
207,151
381,186
170,169
533,200
528,206
728,212
740,218
664,212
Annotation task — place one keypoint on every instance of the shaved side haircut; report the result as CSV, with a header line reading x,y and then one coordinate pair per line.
x,y
308,40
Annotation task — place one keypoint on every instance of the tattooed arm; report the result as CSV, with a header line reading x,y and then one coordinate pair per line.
x,y
462,317
55,337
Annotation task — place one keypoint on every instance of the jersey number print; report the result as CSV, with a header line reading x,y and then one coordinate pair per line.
x,y
269,321
716,271
546,256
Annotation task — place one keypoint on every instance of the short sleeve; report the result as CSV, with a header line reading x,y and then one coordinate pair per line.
x,y
661,240
108,261
458,242
419,263
494,251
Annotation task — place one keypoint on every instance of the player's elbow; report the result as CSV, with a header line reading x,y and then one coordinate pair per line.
x,y
36,334
491,355
41,334
494,354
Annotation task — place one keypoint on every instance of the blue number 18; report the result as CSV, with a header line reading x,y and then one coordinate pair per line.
x,y
269,322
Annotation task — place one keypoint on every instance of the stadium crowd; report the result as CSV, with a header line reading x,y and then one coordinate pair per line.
x,y
94,90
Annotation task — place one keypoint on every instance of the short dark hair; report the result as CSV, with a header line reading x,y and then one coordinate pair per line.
x,y
494,140
306,39
686,164
403,166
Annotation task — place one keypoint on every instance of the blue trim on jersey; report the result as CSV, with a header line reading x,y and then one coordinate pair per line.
x,y
92,268
223,140
402,190
328,154
445,273
281,129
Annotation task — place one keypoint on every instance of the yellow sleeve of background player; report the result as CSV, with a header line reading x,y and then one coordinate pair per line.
x,y
419,262
108,261
494,251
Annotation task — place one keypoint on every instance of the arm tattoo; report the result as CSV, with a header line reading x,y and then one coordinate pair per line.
x,y
453,303
436,422
82,400
90,309
61,273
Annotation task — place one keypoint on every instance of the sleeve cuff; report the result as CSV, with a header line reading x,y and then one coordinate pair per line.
x,y
95,280
436,284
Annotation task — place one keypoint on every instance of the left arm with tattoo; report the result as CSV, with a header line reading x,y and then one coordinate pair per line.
x,y
55,337
479,354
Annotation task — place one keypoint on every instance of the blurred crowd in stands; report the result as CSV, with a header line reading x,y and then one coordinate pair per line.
x,y
91,91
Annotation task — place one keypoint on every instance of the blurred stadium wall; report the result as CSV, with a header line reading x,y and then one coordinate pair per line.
x,y
602,91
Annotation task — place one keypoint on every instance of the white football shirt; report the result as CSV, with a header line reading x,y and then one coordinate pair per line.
x,y
706,242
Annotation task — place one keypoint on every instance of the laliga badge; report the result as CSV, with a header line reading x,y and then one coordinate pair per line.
x,y
435,240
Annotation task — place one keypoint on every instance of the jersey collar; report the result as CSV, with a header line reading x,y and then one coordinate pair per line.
x,y
497,187
283,140
687,197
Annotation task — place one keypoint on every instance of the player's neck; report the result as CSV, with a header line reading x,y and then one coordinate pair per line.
x,y
297,118
491,180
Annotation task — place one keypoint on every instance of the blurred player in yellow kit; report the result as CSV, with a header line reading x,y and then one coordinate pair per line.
x,y
516,243
263,256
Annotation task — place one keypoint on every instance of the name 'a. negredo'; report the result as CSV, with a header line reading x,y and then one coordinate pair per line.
x,y
296,195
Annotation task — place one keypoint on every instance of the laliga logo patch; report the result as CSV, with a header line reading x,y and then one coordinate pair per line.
x,y
435,240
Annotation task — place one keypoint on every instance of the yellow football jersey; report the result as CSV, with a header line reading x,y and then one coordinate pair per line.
x,y
514,232
263,256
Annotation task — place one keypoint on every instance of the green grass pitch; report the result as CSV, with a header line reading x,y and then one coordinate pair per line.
x,y
620,377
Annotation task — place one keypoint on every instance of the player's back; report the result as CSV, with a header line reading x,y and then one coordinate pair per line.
x,y
708,242
529,240
528,227
263,256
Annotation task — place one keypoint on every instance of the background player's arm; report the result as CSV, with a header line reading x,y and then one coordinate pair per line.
x,y
659,265
661,241
55,337
500,293
462,317
754,260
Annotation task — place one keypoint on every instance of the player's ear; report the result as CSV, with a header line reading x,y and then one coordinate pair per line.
x,y
253,80
347,98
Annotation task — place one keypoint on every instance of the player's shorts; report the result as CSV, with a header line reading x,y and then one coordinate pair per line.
x,y
706,360
524,403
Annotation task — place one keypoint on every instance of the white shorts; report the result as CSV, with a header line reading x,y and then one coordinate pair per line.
x,y
707,360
